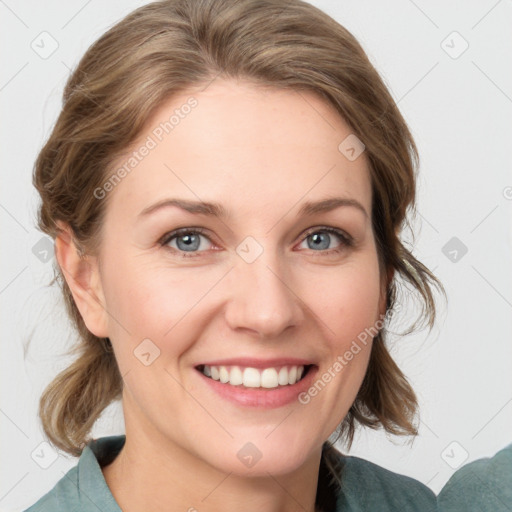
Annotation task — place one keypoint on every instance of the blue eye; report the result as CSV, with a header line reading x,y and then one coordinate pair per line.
x,y
188,240
322,236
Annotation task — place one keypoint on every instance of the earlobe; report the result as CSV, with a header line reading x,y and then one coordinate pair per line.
x,y
81,273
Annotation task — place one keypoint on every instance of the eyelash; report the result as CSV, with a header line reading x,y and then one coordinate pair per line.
x,y
346,240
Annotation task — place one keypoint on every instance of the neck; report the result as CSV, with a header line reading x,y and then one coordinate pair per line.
x,y
154,474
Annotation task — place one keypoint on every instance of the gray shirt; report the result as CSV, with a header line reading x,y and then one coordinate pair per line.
x,y
484,485
365,486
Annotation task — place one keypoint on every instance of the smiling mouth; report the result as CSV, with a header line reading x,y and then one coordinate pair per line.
x,y
266,378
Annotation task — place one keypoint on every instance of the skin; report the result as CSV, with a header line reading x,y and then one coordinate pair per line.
x,y
262,153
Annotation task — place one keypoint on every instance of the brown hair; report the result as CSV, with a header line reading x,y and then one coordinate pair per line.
x,y
165,48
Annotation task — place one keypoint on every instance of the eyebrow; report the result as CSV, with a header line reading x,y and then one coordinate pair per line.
x,y
217,210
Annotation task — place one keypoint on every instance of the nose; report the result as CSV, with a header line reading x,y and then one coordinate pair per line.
x,y
263,301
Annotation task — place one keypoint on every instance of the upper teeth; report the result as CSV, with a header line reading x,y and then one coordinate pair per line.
x,y
253,377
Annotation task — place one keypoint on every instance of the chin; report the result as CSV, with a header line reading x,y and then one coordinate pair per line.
x,y
258,458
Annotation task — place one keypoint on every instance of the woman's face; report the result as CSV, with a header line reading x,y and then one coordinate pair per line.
x,y
263,286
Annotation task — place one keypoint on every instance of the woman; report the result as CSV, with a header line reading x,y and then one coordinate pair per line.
x,y
226,185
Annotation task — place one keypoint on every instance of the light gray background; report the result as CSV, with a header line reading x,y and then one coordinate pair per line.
x,y
459,110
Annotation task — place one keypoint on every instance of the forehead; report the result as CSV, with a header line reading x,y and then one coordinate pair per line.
x,y
243,145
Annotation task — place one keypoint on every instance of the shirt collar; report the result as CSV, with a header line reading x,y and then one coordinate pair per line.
x,y
94,493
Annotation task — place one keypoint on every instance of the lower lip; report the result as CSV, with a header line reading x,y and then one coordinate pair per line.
x,y
263,398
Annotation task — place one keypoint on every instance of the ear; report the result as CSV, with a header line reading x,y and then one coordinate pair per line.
x,y
83,278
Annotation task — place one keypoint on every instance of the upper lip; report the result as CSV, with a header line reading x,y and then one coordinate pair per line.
x,y
250,362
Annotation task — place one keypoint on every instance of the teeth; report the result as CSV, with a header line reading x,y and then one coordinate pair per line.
x,y
223,374
282,378
269,378
235,376
292,375
253,377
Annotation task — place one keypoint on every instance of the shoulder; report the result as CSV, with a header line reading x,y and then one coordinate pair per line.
x,y
484,484
368,486
63,494
83,488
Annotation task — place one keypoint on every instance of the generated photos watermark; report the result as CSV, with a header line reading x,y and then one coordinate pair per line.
x,y
151,142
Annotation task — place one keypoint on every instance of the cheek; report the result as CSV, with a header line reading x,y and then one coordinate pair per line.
x,y
347,299
154,301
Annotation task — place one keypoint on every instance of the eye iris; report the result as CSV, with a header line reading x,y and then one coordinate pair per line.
x,y
317,237
189,243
